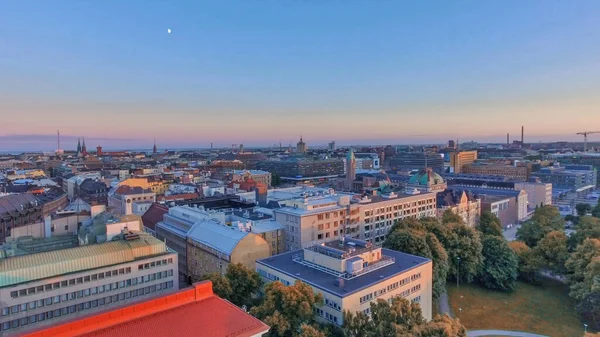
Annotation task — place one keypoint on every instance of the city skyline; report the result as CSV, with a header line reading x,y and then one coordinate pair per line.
x,y
260,73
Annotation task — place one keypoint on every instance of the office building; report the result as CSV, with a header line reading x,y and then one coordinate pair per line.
x,y
538,193
42,289
300,168
350,274
462,158
509,206
518,173
407,161
569,177
186,313
212,246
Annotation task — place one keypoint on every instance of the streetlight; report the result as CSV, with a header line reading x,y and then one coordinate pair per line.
x,y
458,272
585,327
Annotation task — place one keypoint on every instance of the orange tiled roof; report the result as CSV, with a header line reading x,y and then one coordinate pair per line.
x,y
190,312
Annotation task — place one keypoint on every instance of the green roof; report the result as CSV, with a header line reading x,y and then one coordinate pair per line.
x,y
31,267
422,178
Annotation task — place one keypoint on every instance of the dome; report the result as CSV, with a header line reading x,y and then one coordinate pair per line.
x,y
426,177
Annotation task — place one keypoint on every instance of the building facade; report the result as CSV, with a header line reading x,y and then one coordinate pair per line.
x,y
407,161
256,175
462,158
42,289
350,274
462,204
520,173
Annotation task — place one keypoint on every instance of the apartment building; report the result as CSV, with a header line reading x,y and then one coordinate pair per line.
x,y
350,274
328,216
50,287
256,175
461,203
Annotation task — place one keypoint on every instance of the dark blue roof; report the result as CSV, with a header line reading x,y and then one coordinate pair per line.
x,y
327,282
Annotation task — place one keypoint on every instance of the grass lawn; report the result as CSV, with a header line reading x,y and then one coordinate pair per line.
x,y
545,309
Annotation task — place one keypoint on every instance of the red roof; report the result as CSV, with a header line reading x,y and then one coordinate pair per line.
x,y
190,312
154,215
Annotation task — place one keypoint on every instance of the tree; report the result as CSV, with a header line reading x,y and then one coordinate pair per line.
x,y
245,283
587,227
529,263
423,244
596,210
285,309
580,278
544,220
442,326
220,285
275,179
464,243
450,217
589,309
583,209
500,264
489,224
401,318
309,331
553,250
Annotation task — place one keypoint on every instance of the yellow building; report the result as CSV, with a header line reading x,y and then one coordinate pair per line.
x,y
510,171
460,159
350,274
156,185
212,246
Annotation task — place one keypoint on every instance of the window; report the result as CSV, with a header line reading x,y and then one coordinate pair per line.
x,y
66,227
14,294
320,237
23,292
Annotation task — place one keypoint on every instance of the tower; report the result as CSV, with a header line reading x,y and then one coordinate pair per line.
x,y
350,169
301,146
508,139
83,148
78,145
99,151
522,135
154,149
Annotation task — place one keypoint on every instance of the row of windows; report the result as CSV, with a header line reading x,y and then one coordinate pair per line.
x,y
272,277
155,264
83,306
333,304
382,291
67,283
85,293
325,314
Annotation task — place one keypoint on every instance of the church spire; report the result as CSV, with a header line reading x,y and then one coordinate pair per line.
x,y
78,145
154,149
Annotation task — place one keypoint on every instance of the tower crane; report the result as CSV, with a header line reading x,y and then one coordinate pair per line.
x,y
585,134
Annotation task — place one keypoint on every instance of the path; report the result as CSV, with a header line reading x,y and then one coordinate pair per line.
x,y
481,333
444,305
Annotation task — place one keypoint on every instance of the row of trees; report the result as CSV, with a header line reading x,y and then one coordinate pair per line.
x,y
458,251
544,247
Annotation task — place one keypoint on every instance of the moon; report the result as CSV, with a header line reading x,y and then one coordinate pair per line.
x,y
169,30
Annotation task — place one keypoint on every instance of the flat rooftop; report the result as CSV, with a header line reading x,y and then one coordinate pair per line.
x,y
285,264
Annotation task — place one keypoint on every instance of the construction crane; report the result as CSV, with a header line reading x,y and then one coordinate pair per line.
x,y
585,134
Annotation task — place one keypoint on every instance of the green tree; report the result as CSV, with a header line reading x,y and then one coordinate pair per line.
x,y
489,224
500,264
596,210
583,209
464,243
450,217
309,331
220,285
553,251
589,309
401,318
544,220
442,326
423,244
581,279
529,262
587,227
275,179
244,282
285,309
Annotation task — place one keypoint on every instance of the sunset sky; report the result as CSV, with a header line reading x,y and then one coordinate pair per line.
x,y
263,71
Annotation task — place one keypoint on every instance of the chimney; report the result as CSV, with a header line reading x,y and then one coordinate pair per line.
x,y
522,135
508,139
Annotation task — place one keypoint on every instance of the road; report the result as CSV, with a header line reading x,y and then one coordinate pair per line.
x,y
481,333
511,233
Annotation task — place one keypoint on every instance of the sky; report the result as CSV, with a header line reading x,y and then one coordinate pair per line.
x,y
261,72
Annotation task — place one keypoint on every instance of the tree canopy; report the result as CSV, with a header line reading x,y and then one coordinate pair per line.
x,y
583,275
450,217
244,283
464,243
220,285
423,244
530,263
310,331
500,264
285,309
553,251
489,224
583,209
401,318
544,220
587,227
596,210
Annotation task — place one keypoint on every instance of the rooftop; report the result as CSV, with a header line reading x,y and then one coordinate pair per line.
x,y
30,267
186,313
215,235
285,263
